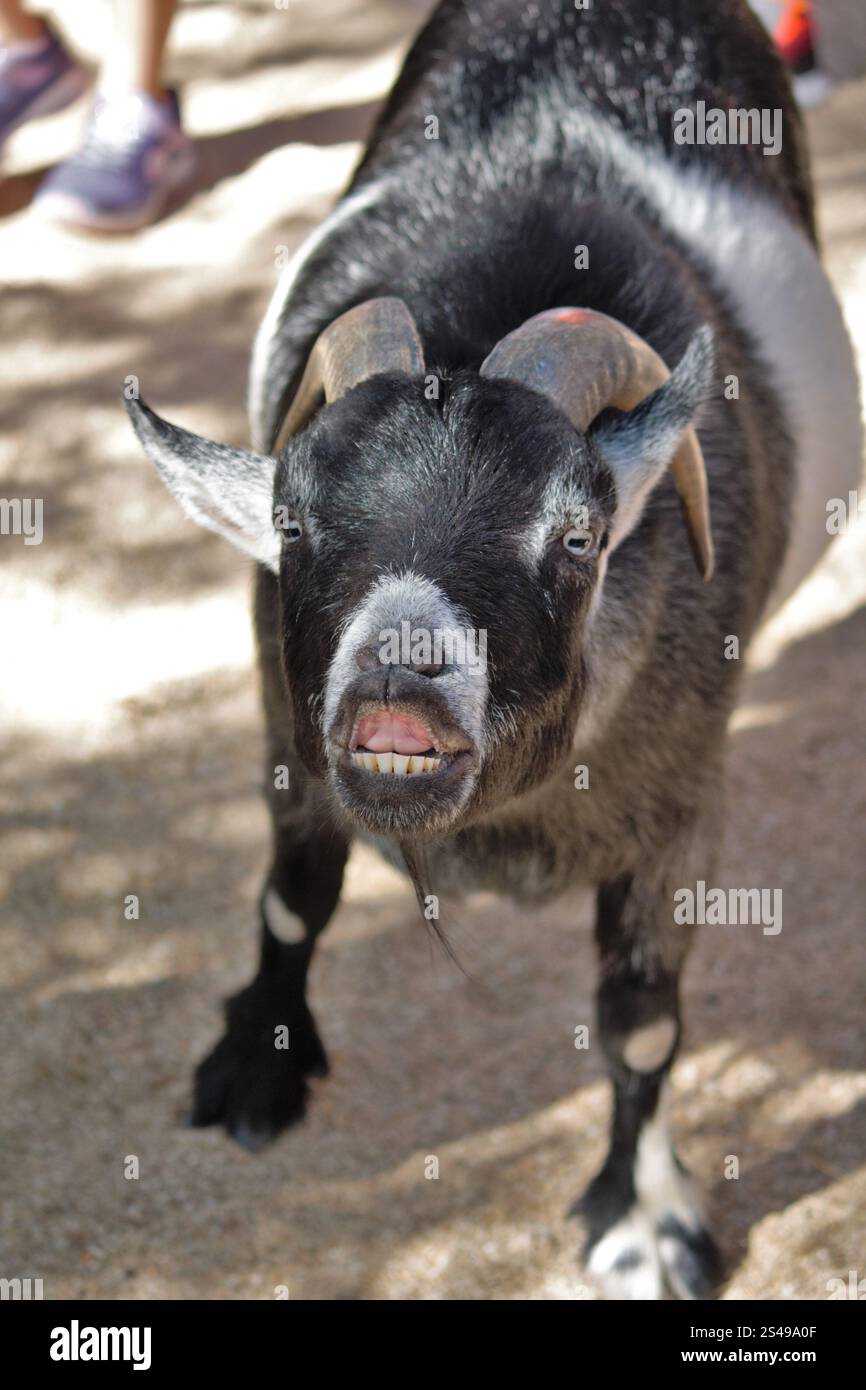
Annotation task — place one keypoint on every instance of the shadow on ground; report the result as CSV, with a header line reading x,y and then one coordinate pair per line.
x,y
115,1013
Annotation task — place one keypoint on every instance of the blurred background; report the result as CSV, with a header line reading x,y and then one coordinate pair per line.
x,y
131,765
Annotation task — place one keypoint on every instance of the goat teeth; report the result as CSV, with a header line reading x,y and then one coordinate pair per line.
x,y
399,763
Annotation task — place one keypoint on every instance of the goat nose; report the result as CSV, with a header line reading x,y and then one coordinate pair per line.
x,y
374,656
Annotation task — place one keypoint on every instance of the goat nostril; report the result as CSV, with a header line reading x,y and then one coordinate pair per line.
x,y
369,658
374,657
430,668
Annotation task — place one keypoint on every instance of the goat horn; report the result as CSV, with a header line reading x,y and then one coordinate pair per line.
x,y
585,362
377,336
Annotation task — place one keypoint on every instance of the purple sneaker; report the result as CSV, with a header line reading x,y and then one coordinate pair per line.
x,y
35,80
134,154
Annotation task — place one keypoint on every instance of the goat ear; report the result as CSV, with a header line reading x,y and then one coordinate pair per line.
x,y
640,445
229,491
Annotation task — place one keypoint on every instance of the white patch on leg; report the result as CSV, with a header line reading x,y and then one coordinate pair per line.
x,y
661,1185
646,1049
285,924
665,1190
626,1260
635,1259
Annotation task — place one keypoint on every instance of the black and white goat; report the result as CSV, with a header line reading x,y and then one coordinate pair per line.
x,y
502,449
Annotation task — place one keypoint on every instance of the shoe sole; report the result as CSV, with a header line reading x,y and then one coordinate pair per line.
x,y
57,97
61,208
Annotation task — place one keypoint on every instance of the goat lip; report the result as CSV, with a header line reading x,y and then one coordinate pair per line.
x,y
441,737
388,792
385,803
386,730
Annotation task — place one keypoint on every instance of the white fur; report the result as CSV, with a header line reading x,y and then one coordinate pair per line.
x,y
647,1048
285,925
661,1185
663,1190
412,598
633,1234
276,309
787,303
783,296
234,499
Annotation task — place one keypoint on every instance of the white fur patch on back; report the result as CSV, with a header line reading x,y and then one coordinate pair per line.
x,y
262,347
783,297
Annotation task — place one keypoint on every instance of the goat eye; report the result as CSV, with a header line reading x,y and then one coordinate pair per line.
x,y
289,527
578,541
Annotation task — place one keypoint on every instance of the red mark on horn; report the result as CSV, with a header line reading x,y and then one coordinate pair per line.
x,y
573,315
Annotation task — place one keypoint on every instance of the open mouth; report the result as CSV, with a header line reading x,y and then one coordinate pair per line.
x,y
396,744
401,765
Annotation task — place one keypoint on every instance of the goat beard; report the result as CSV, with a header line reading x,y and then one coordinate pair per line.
x,y
414,855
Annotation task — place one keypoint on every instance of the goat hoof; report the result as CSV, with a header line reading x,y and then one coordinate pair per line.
x,y
253,1087
640,1248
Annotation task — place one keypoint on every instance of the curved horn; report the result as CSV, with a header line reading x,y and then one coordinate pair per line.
x,y
377,336
585,362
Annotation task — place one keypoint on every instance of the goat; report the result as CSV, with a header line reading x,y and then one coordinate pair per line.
x,y
464,420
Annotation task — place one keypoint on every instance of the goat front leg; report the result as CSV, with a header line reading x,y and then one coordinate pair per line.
x,y
254,1082
646,1236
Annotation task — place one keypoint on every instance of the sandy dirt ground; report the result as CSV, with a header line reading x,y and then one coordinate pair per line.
x,y
131,751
